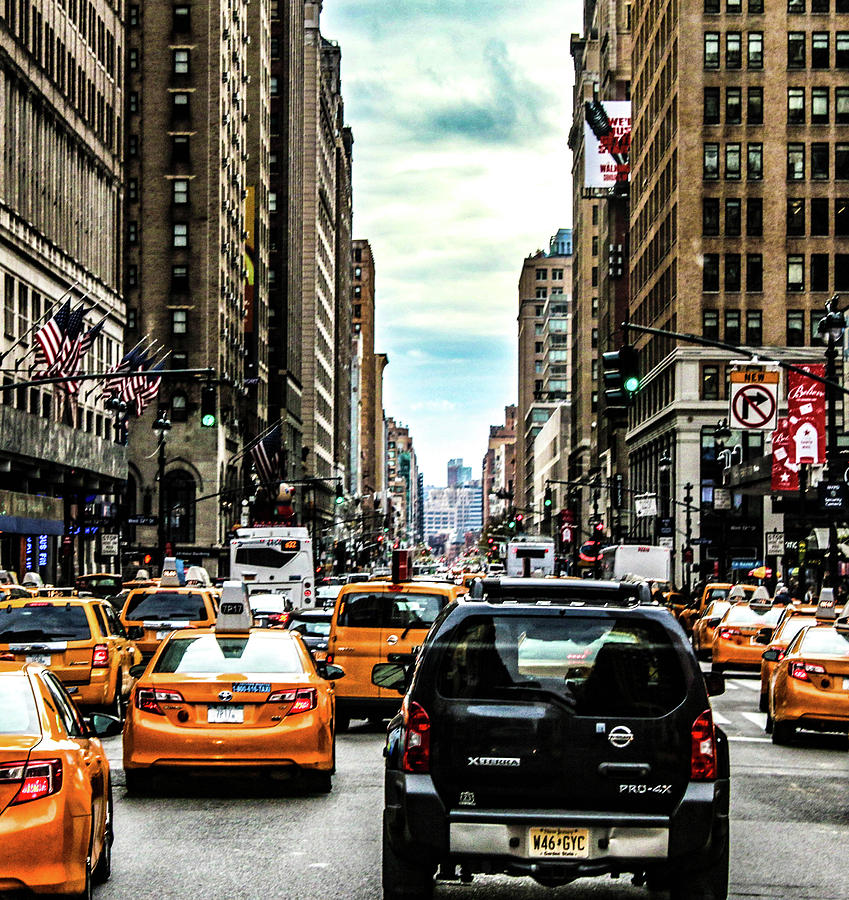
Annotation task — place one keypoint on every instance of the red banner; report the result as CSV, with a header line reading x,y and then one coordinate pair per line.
x,y
806,415
785,474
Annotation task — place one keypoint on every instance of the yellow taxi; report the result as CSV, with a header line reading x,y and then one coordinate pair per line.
x,y
736,643
790,624
810,686
101,584
150,614
55,789
713,590
80,639
705,626
232,696
378,622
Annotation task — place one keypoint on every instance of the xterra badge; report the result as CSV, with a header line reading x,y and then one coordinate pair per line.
x,y
510,761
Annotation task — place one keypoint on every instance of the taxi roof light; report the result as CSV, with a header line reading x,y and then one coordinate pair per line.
x,y
826,608
234,610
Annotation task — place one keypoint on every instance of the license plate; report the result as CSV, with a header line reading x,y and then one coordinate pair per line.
x,y
225,714
43,659
562,843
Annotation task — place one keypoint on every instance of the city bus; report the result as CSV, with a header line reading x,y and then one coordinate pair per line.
x,y
275,560
533,556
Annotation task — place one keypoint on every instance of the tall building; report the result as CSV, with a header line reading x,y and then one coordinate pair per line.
x,y
452,512
188,82
458,473
403,484
544,354
497,478
740,229
61,146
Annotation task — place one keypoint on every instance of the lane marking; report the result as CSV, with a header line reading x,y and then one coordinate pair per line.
x,y
750,740
731,686
752,685
720,719
756,718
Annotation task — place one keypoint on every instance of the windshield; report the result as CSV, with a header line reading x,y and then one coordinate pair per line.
x,y
742,614
211,654
17,706
598,666
717,593
824,642
187,605
391,610
310,627
67,622
719,609
792,626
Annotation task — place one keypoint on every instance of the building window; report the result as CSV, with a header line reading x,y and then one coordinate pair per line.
x,y
274,86
734,6
710,216
132,232
754,217
710,273
733,45
710,324
133,101
594,276
733,106
710,382
841,271
795,6
754,327
732,162
755,161
841,217
819,161
820,53
542,274
754,273
538,347
756,6
711,6
795,162
795,328
732,272
275,48
180,279
841,50
594,305
132,59
795,106
841,105
133,190
711,162
180,105
181,234
711,50
180,149
732,326
132,15
711,106
795,216
133,145
179,407
795,273
732,217
594,337
132,319
755,106
541,293
182,19
180,61
819,216
180,191
819,271
179,321
841,162
796,50
755,50
132,275
819,106
272,201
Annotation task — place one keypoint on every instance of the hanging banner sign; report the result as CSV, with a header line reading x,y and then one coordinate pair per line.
x,y
785,472
607,143
806,415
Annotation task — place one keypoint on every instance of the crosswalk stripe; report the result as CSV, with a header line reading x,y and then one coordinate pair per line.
x,y
756,718
720,719
750,740
731,686
751,684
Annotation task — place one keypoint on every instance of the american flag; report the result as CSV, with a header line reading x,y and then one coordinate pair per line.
x,y
67,362
266,456
145,394
126,364
48,339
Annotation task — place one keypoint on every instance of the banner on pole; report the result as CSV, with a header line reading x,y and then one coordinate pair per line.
x,y
806,415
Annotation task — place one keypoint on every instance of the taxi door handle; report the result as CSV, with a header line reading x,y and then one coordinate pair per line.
x,y
345,649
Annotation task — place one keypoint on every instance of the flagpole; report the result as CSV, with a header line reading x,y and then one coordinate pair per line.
x,y
249,446
48,313
20,359
146,337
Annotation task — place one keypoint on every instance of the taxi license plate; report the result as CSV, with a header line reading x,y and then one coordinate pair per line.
x,y
562,843
43,659
226,714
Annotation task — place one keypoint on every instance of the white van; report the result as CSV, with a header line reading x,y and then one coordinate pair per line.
x,y
643,561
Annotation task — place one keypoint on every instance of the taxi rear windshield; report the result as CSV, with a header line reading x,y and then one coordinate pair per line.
x,y
212,654
64,622
742,614
590,666
391,610
17,706
311,627
167,605
825,641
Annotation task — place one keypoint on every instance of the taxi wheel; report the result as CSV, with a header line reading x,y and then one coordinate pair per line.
x,y
403,880
763,706
138,781
86,892
719,668
103,870
783,732
768,726
318,782
118,705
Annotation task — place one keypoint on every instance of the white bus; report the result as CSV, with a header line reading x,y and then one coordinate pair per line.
x,y
275,560
531,557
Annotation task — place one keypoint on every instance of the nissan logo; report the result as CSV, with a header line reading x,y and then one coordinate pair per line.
x,y
225,696
620,736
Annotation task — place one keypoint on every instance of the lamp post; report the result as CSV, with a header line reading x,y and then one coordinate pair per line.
x,y
664,465
161,427
831,328
721,434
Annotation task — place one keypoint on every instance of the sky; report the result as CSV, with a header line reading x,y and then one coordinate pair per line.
x,y
460,111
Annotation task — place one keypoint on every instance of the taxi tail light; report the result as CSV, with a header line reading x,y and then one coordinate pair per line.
x,y
800,671
305,700
100,657
416,757
703,756
278,618
38,779
149,699
727,633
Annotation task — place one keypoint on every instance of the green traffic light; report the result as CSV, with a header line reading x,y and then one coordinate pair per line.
x,y
511,524
632,384
547,501
208,421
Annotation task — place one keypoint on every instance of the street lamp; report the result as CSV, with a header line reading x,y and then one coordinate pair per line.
x,y
721,434
161,427
831,328
664,465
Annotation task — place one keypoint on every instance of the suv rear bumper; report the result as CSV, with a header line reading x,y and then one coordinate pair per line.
x,y
420,826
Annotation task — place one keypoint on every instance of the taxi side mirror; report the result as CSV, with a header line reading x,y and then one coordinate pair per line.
x,y
715,683
773,655
328,671
392,676
138,671
103,725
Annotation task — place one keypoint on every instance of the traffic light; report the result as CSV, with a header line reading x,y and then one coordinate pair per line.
x,y
547,498
598,529
340,495
547,502
621,375
208,404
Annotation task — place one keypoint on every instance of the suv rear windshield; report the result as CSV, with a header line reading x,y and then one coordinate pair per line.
x,y
66,622
214,654
594,666
391,610
17,706
167,605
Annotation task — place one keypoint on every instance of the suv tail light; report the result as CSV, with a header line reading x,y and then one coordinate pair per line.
x,y
38,779
149,699
703,757
302,699
416,756
800,671
100,657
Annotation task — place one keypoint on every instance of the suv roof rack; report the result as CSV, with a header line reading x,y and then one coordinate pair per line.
x,y
561,591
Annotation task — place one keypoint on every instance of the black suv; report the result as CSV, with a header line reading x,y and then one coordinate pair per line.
x,y
557,729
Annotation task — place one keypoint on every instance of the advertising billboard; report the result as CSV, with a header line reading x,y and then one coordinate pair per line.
x,y
607,143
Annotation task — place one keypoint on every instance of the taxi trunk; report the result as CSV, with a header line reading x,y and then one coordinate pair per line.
x,y
818,691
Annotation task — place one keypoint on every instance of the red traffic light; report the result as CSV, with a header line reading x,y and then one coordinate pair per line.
x,y
598,527
519,517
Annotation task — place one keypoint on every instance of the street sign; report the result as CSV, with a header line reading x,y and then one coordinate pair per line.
x,y
109,544
832,495
665,526
667,542
753,400
142,520
646,505
775,543
721,498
